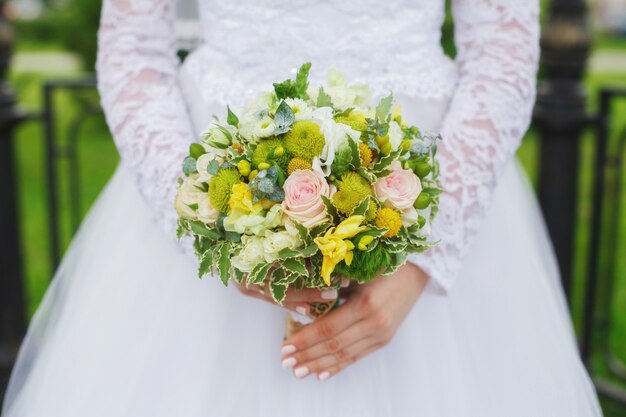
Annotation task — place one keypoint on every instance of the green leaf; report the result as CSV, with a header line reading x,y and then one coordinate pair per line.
x,y
196,150
278,291
323,99
287,278
307,252
383,108
356,156
239,275
385,161
223,263
232,237
302,231
232,118
302,81
295,265
201,230
284,89
258,274
361,209
331,209
206,264
189,165
283,118
213,167
181,230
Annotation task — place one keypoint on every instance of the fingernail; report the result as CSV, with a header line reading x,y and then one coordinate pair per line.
x,y
329,294
345,283
287,349
289,362
323,376
301,372
341,301
301,310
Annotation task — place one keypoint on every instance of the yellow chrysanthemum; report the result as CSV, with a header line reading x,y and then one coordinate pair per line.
x,y
366,154
298,163
389,219
241,199
372,209
356,120
221,186
335,246
305,139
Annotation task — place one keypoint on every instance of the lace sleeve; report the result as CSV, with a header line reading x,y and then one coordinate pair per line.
x,y
498,51
137,80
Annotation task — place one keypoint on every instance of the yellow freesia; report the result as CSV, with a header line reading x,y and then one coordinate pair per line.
x,y
241,199
335,246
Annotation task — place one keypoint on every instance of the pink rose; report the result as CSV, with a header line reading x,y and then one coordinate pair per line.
x,y
399,189
303,201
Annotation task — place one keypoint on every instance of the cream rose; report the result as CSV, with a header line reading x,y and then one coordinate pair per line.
x,y
303,201
188,194
251,254
206,212
399,189
274,242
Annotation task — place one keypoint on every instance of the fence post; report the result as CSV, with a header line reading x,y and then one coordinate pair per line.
x,y
12,310
560,115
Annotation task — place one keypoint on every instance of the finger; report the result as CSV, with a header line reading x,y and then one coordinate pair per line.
x,y
334,370
300,308
337,348
311,295
319,365
325,328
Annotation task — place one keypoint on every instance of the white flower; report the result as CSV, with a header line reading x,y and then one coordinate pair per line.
x,y
256,125
253,224
300,109
206,212
274,242
336,137
343,95
187,195
203,163
396,135
409,217
251,254
218,137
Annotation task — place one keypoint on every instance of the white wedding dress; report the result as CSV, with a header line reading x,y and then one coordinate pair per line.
x,y
127,329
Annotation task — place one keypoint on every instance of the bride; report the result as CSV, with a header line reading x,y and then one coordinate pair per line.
x,y
476,327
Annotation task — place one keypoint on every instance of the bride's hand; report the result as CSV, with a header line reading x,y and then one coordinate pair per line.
x,y
295,300
366,322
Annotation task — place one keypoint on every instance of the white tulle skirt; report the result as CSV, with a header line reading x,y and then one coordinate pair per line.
x,y
127,329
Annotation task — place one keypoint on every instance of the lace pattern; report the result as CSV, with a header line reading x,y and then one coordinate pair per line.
x,y
389,45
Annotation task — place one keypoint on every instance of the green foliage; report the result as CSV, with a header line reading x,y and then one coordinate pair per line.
x,y
294,88
284,118
365,266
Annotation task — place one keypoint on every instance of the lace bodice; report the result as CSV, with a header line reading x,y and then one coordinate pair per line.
x,y
390,45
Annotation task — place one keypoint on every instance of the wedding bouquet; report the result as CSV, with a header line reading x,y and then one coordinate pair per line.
x,y
306,185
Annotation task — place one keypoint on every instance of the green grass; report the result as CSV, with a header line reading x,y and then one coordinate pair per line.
x,y
98,158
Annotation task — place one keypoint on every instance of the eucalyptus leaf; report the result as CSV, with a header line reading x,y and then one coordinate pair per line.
x,y
283,118
189,165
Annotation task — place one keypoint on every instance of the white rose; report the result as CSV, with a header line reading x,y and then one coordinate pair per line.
x,y
275,242
251,254
188,194
206,212
216,138
395,135
203,163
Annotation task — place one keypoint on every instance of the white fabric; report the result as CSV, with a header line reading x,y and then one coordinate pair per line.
x,y
127,330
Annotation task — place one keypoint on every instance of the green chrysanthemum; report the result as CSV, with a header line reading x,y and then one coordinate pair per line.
x,y
264,148
220,187
353,182
355,120
346,201
305,140
365,266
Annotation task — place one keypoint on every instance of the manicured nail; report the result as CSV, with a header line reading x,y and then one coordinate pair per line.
x,y
301,310
345,282
289,362
341,301
323,376
287,349
329,294
301,372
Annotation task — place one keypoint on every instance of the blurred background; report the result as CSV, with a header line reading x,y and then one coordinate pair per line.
x,y
56,155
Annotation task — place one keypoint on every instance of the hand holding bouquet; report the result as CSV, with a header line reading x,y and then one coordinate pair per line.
x,y
309,185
